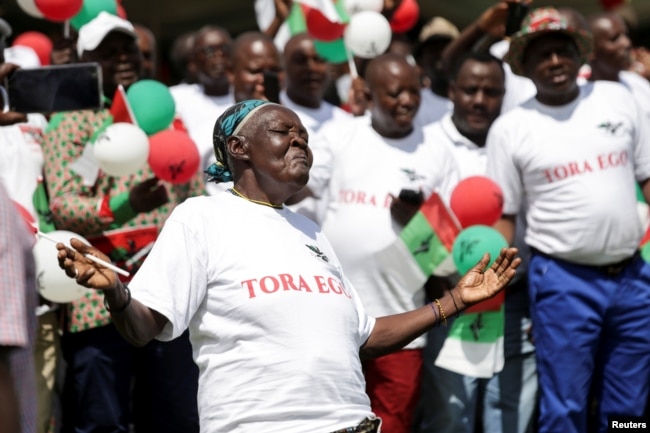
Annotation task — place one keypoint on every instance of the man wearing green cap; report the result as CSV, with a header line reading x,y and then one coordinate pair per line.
x,y
574,154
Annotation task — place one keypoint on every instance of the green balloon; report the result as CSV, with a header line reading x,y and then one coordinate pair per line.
x,y
90,10
333,52
639,194
152,104
472,243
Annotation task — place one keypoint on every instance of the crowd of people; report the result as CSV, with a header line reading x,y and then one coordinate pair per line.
x,y
257,301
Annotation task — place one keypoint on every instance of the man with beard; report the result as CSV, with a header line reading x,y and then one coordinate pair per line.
x,y
198,104
573,155
360,167
122,217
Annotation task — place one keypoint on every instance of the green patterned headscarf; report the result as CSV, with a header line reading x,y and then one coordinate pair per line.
x,y
227,125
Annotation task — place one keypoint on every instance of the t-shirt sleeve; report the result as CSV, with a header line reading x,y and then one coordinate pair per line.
x,y
502,168
641,146
173,280
366,322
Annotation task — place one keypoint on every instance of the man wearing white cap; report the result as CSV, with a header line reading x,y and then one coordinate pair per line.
x,y
122,216
574,154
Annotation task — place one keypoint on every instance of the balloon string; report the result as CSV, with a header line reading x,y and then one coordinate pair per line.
x,y
66,29
90,257
351,65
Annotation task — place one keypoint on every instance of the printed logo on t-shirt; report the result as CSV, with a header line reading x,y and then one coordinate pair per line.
x,y
412,174
289,283
317,252
612,128
600,162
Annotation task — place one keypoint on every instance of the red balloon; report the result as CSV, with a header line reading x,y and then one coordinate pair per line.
x,y
59,10
319,27
40,43
405,16
477,200
173,156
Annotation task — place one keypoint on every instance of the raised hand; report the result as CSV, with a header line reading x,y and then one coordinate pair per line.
x,y
85,271
148,195
480,284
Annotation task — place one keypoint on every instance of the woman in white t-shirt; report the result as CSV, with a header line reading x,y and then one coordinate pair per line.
x,y
277,330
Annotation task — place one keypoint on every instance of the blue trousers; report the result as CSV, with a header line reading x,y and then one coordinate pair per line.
x,y
110,385
592,336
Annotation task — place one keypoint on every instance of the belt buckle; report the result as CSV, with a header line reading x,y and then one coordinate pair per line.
x,y
613,270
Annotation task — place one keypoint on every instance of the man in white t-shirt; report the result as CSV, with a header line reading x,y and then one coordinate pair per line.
x,y
360,166
198,104
451,402
575,153
278,330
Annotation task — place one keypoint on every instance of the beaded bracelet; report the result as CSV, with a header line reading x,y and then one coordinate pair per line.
x,y
451,293
123,307
442,312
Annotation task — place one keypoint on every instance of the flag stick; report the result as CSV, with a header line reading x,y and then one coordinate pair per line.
x,y
90,257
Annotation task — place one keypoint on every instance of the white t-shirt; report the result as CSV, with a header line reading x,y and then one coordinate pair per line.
x,y
21,159
432,107
471,159
199,112
359,170
275,326
577,164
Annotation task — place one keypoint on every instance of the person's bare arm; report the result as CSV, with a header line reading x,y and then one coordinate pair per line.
x,y
394,332
282,10
491,24
507,226
137,323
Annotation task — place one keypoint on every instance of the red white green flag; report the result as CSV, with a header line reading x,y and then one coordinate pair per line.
x,y
423,247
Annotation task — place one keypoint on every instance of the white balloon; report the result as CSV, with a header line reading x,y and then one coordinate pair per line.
x,y
51,281
368,34
355,6
29,7
121,149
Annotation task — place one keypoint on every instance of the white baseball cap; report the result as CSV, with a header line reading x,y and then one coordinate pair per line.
x,y
93,33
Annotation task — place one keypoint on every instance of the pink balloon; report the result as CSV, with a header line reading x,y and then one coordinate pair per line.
x,y
59,10
173,156
40,43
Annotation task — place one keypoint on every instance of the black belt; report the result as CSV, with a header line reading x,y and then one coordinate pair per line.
x,y
611,269
368,425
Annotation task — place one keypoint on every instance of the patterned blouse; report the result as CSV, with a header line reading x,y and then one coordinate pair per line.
x,y
98,209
